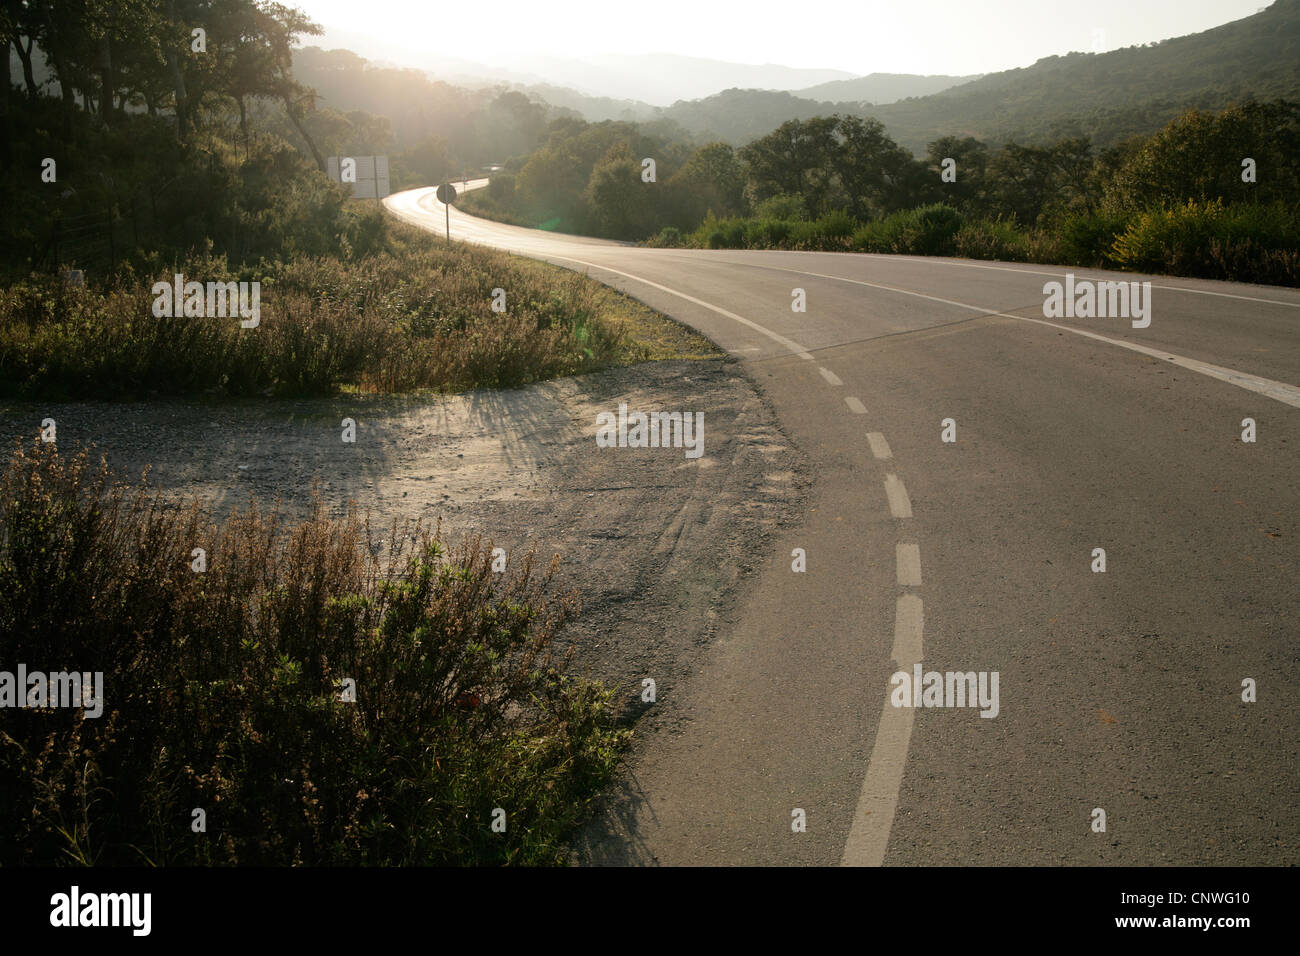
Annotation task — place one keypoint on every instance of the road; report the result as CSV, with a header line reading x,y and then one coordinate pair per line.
x,y
1118,690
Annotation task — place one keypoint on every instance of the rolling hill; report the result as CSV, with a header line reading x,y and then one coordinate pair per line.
x,y
1107,96
881,88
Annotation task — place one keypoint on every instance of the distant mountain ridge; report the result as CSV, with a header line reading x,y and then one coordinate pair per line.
x,y
663,78
878,88
1106,96
655,79
1109,96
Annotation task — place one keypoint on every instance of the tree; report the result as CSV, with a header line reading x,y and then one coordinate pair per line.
x,y
280,27
877,175
968,191
711,181
511,124
620,204
1028,181
1199,156
551,183
22,23
795,159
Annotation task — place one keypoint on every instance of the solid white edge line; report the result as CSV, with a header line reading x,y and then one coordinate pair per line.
x,y
1278,391
790,344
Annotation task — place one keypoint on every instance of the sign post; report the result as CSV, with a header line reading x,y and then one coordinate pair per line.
x,y
447,195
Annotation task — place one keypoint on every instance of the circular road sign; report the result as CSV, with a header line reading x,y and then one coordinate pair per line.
x,y
447,193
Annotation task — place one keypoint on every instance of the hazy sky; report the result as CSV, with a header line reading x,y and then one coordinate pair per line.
x,y
859,36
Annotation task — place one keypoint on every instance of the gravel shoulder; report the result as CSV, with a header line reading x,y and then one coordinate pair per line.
x,y
659,547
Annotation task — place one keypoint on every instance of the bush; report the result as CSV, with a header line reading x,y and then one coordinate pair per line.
x,y
221,689
735,233
766,233
785,207
923,231
722,233
929,230
670,237
1045,245
990,239
871,237
836,225
1246,243
1087,238
805,235
501,189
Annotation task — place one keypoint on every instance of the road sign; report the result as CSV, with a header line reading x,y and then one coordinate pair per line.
x,y
446,194
367,175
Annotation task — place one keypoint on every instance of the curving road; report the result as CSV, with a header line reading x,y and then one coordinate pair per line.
x,y
1119,690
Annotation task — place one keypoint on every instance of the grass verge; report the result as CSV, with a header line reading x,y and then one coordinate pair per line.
x,y
408,314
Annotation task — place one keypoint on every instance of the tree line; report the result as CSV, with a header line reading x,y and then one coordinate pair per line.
x,y
848,174
134,131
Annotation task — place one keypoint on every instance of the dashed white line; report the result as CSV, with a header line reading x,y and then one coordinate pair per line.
x,y
878,799
909,565
830,376
855,405
900,505
879,447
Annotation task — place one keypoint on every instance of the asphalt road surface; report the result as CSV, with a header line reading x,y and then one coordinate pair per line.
x,y
1118,691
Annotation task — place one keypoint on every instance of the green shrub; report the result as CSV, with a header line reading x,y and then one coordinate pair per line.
x,y
1045,245
222,689
501,189
720,233
766,233
783,207
923,231
670,237
735,232
990,239
836,225
1249,243
929,230
805,235
1087,238
871,237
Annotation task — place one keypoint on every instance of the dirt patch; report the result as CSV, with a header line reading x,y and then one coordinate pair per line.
x,y
657,545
